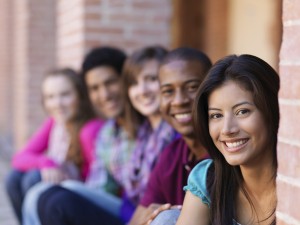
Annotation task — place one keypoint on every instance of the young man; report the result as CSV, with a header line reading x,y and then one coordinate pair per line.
x,y
180,75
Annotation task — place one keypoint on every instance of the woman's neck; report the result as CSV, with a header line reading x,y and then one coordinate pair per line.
x,y
196,148
260,185
155,120
260,175
259,182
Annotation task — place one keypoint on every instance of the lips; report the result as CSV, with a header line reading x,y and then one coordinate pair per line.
x,y
233,146
110,105
183,117
147,101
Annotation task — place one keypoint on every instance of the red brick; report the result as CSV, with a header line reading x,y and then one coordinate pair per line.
x,y
92,44
290,50
289,198
291,9
131,18
104,30
64,6
117,3
289,87
93,2
148,32
162,18
92,16
146,5
289,156
289,126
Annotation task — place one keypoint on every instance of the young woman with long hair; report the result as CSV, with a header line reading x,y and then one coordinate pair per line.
x,y
55,152
236,118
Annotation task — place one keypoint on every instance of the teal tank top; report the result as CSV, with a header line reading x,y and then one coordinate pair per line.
x,y
197,183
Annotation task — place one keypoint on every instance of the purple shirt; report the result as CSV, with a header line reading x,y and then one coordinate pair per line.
x,y
150,144
169,175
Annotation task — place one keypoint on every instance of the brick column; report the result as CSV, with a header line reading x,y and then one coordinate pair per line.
x,y
288,180
34,53
131,24
6,50
70,32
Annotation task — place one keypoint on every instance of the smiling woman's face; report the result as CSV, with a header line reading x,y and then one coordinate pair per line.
x,y
60,98
236,125
144,92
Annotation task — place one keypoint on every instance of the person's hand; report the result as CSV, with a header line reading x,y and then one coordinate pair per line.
x,y
157,208
52,175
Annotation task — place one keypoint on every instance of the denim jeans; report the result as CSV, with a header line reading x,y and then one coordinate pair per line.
x,y
167,217
105,200
29,209
17,184
99,197
57,206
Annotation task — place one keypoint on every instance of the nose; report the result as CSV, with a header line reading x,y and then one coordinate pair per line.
x,y
103,93
57,101
230,125
143,88
179,98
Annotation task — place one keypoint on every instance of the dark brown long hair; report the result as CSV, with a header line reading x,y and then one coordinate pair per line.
x,y
83,113
262,81
133,66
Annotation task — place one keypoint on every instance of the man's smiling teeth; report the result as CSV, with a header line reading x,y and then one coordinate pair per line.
x,y
235,144
183,116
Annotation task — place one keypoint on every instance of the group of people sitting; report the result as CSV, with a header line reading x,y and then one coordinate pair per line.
x,y
157,137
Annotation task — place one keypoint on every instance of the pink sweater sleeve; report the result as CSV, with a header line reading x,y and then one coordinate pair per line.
x,y
32,155
88,135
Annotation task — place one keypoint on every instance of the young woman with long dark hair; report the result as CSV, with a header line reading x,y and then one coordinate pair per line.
x,y
236,118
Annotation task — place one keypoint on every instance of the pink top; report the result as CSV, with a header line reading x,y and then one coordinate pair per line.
x,y
87,138
33,154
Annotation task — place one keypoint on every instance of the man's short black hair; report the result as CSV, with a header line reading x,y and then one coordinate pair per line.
x,y
104,56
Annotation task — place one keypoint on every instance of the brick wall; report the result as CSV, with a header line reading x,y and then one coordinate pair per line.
x,y
288,181
34,53
128,24
70,32
5,60
6,47
39,34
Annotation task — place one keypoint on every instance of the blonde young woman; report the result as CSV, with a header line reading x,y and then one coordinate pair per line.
x,y
55,152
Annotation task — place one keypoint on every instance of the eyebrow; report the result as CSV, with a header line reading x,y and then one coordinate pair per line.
x,y
165,85
235,106
185,82
151,74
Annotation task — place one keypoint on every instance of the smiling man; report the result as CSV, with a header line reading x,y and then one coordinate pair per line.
x,y
180,75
